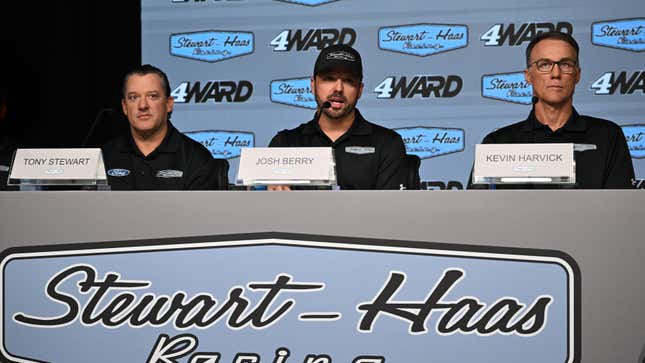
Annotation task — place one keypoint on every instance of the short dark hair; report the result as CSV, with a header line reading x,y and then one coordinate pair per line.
x,y
148,69
551,35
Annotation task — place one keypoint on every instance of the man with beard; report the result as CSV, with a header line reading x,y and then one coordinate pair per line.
x,y
367,156
553,70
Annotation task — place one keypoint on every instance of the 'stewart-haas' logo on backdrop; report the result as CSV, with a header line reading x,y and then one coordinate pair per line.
x,y
510,87
635,136
627,34
428,142
223,144
293,92
211,46
423,39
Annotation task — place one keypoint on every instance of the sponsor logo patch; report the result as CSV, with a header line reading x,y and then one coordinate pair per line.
x,y
169,173
626,34
223,144
509,87
635,136
360,150
211,46
423,39
118,172
293,92
429,142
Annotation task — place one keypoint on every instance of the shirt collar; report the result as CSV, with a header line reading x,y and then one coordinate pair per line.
x,y
575,123
169,144
359,127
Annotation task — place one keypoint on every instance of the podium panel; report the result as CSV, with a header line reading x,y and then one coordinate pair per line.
x,y
572,257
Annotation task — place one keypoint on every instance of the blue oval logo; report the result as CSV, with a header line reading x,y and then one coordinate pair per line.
x,y
293,92
509,87
211,46
118,172
423,39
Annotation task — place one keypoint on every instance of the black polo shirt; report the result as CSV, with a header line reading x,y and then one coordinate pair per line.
x,y
178,163
368,156
606,165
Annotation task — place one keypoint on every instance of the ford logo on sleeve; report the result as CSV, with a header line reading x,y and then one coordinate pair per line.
x,y
118,172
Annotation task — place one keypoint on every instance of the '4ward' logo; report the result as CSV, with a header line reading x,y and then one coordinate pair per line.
x,y
628,34
423,39
625,84
510,87
214,91
423,86
211,46
513,34
318,38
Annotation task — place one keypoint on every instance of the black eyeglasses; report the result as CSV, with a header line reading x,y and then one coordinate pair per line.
x,y
546,65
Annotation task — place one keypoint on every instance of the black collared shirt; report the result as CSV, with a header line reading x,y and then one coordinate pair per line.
x,y
368,156
607,165
178,163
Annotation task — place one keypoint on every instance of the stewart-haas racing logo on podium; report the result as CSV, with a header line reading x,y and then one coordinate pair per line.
x,y
627,34
211,46
510,87
293,92
281,298
423,39
428,142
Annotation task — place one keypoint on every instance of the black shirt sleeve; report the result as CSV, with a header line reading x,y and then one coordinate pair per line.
x,y
391,166
620,170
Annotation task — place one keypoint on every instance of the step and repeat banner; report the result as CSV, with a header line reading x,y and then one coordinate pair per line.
x,y
441,74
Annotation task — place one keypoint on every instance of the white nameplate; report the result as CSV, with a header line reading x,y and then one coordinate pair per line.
x,y
57,166
286,165
524,163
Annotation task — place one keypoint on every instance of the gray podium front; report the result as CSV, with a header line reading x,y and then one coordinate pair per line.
x,y
603,231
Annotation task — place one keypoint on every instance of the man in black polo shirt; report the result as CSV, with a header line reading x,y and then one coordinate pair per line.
x,y
553,70
367,156
154,155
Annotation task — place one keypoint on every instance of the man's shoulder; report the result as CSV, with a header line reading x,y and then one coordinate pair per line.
x,y
504,134
294,131
600,123
116,144
384,132
193,147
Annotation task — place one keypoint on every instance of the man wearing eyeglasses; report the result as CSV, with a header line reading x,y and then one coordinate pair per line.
x,y
553,70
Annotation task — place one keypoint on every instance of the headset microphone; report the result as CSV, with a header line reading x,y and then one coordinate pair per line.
x,y
534,99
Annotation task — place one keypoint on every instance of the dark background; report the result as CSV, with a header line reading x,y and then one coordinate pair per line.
x,y
62,63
